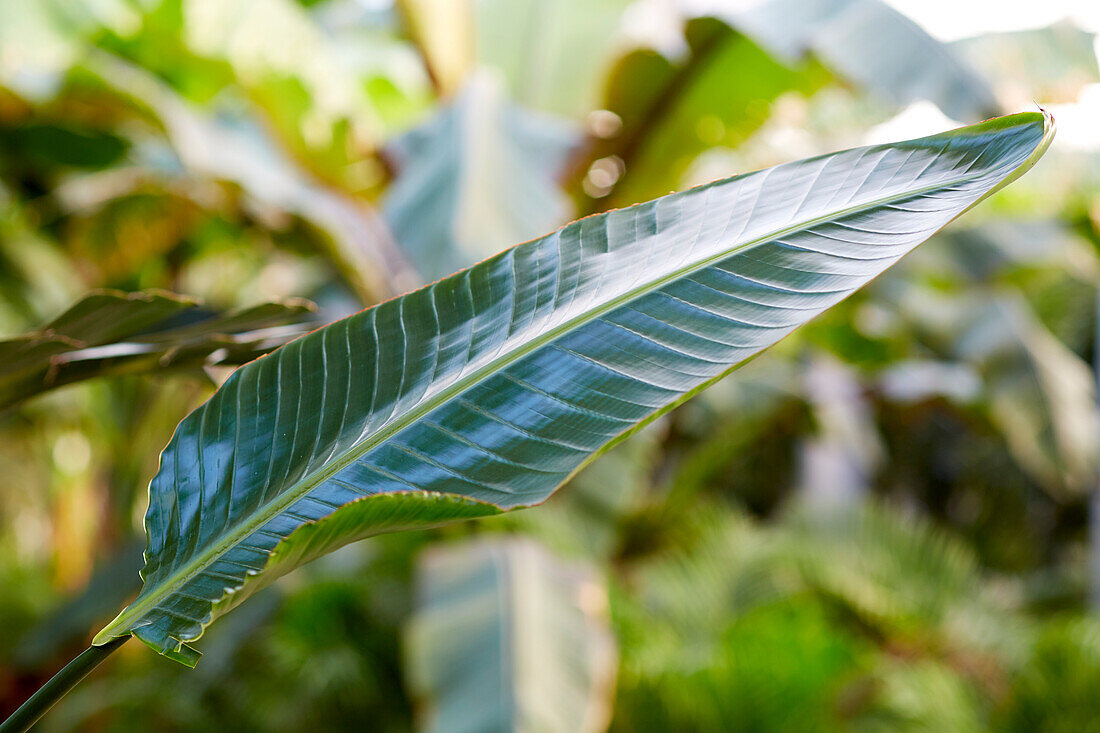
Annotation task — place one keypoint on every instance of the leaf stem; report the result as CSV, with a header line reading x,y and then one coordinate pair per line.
x,y
58,686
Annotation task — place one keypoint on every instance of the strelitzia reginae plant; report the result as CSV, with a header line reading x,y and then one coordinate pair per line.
x,y
485,391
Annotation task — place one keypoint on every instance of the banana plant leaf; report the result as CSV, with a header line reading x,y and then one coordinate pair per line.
x,y
109,333
354,237
1052,63
553,56
671,110
477,177
488,389
870,43
738,61
508,637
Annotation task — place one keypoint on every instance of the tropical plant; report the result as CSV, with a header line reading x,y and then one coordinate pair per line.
x,y
485,391
117,333
934,432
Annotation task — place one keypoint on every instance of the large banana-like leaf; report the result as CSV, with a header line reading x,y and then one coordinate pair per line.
x,y
719,93
109,332
870,43
553,56
1053,63
477,177
508,637
354,237
486,390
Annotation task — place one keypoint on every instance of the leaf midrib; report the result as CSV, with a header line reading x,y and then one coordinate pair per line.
x,y
274,508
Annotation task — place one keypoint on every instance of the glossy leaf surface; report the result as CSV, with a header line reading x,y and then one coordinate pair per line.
x,y
487,390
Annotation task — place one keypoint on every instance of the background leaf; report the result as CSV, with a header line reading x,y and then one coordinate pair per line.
x,y
871,43
671,110
110,333
479,176
509,637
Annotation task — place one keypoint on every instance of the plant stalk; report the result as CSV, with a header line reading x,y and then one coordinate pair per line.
x,y
58,686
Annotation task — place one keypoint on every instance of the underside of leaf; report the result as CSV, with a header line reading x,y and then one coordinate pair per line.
x,y
496,384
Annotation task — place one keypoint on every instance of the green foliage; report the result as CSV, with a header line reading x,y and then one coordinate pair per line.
x,y
881,524
477,177
872,44
1055,690
670,112
507,637
475,416
777,667
110,332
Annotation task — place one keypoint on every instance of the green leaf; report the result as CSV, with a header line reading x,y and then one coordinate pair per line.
x,y
894,573
110,332
671,111
53,144
475,178
1058,680
870,43
1039,394
508,637
779,667
236,149
553,55
487,390
1052,63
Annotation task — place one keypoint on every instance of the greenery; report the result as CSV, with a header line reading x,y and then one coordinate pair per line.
x,y
887,521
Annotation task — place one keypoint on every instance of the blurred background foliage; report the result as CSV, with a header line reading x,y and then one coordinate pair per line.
x,y
888,522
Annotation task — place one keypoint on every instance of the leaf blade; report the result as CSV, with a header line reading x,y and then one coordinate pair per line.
x,y
110,332
498,383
